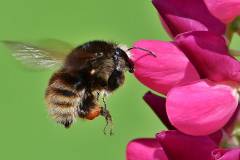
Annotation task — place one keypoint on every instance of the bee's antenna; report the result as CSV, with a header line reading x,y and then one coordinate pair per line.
x,y
143,49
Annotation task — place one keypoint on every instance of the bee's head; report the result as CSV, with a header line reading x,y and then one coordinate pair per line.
x,y
118,55
108,54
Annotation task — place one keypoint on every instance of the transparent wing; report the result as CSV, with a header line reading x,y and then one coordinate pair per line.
x,y
34,57
58,48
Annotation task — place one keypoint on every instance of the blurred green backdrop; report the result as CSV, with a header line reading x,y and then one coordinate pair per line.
x,y
27,132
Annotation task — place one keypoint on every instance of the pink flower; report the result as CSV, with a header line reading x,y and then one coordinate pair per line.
x,y
198,77
173,145
145,149
191,15
197,15
226,154
209,54
158,105
225,10
209,107
169,68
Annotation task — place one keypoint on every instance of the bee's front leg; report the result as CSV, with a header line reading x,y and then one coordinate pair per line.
x,y
115,80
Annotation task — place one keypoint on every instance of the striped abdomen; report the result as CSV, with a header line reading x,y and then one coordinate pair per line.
x,y
63,100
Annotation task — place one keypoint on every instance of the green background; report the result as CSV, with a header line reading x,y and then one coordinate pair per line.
x,y
27,132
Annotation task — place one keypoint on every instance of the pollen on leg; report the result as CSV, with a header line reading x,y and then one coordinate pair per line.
x,y
93,113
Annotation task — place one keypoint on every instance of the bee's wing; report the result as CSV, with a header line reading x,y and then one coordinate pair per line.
x,y
33,56
58,48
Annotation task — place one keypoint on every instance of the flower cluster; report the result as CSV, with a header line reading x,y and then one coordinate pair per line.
x,y
198,78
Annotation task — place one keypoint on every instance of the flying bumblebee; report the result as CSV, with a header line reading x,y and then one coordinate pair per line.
x,y
92,69
87,72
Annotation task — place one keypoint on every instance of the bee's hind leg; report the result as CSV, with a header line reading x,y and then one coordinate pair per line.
x,y
106,114
108,127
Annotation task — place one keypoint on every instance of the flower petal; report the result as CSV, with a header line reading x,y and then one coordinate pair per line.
x,y
209,54
217,137
225,10
226,154
158,105
169,68
233,122
190,15
179,146
145,149
201,108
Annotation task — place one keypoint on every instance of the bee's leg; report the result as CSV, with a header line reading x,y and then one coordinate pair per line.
x,y
104,102
98,95
115,80
106,114
84,107
82,112
89,108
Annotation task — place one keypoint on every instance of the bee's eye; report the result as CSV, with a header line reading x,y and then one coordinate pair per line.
x,y
100,54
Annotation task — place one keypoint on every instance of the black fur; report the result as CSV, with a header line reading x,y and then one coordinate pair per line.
x,y
92,67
